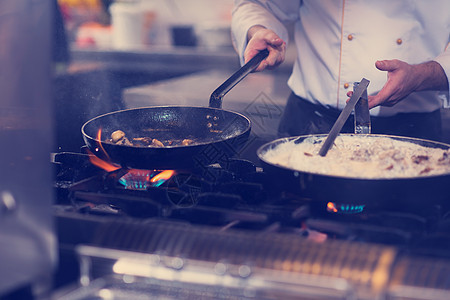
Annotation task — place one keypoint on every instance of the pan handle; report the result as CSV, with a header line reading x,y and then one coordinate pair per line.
x,y
215,101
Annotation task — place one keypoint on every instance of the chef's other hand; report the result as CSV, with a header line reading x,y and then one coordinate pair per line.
x,y
260,38
403,79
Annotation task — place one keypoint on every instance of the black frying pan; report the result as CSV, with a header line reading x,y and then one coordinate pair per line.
x,y
352,194
217,134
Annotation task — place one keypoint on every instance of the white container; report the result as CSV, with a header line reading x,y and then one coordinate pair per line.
x,y
214,35
127,25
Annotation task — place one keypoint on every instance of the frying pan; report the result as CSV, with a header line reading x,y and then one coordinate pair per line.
x,y
217,134
350,194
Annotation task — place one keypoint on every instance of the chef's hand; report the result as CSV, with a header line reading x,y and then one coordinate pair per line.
x,y
260,38
403,79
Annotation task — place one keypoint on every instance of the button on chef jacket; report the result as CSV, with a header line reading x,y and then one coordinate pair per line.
x,y
338,42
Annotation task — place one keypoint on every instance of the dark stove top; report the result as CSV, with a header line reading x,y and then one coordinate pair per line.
x,y
239,196
234,197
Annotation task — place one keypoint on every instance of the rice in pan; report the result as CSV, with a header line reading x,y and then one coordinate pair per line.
x,y
362,157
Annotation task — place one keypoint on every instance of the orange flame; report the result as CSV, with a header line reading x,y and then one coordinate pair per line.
x,y
96,161
331,207
164,175
99,138
109,166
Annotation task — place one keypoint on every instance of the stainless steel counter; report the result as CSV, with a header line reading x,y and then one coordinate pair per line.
x,y
168,57
159,58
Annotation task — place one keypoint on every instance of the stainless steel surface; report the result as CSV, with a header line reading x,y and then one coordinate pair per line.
x,y
337,126
172,277
27,239
175,261
159,58
362,114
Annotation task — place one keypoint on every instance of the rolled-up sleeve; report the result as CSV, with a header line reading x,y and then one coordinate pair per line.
x,y
270,14
444,60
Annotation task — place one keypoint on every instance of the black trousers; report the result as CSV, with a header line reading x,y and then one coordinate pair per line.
x,y
302,117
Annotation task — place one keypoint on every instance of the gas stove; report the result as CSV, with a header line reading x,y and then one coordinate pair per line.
x,y
226,232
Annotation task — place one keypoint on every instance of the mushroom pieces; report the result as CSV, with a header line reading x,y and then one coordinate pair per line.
x,y
119,137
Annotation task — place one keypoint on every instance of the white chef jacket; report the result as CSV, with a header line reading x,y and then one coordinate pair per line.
x,y
338,42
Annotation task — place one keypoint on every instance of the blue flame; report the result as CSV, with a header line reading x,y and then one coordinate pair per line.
x,y
345,208
137,179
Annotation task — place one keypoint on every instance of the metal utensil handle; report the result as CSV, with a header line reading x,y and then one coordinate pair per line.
x,y
215,101
362,114
362,86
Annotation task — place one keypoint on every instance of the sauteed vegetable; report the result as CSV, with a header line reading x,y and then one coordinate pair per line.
x,y
118,137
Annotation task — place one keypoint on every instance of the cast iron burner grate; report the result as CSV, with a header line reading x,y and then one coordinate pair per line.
x,y
237,196
234,196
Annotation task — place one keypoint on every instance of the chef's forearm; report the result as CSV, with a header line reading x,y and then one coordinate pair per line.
x,y
443,60
431,76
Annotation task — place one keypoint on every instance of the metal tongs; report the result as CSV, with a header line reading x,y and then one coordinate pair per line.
x,y
358,101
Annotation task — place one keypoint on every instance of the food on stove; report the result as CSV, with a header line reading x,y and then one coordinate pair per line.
x,y
118,137
361,157
187,142
157,143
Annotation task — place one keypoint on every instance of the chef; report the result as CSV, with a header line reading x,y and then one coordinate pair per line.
x,y
401,47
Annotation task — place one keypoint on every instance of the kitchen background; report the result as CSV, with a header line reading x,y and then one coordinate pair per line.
x,y
232,234
131,53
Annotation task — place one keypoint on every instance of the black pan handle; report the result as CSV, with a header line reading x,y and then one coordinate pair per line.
x,y
215,101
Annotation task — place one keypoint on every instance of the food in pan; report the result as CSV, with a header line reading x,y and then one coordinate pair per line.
x,y
118,137
361,157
